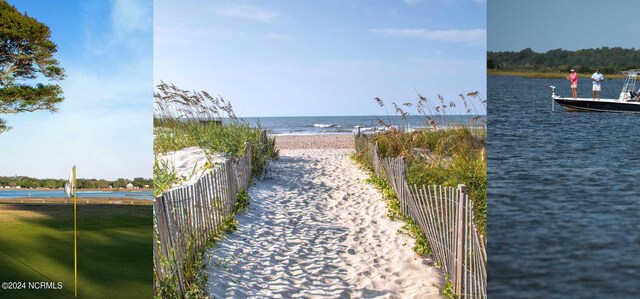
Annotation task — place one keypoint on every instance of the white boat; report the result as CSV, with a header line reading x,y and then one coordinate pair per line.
x,y
625,103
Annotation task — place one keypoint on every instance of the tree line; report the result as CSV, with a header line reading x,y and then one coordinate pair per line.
x,y
28,182
609,60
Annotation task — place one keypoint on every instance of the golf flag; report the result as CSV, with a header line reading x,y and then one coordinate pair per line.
x,y
68,186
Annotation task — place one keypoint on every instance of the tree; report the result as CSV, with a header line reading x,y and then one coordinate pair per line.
x,y
26,57
490,64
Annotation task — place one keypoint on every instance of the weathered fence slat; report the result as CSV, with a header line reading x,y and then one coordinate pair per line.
x,y
187,217
445,216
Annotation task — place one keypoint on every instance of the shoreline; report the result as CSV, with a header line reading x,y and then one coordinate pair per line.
x,y
542,75
82,200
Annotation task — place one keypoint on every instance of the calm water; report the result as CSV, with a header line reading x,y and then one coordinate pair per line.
x,y
564,195
314,125
60,193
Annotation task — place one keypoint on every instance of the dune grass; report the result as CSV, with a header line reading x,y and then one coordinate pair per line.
x,y
230,139
185,118
445,157
446,154
114,250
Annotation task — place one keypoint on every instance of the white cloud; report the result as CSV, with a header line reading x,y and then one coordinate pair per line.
x,y
130,23
452,35
248,12
131,16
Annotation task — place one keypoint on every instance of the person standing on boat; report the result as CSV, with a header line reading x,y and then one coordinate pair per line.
x,y
573,78
597,79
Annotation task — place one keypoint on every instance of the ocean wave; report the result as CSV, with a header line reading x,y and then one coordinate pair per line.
x,y
367,129
323,125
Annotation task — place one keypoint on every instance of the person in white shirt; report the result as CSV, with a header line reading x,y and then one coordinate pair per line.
x,y
597,79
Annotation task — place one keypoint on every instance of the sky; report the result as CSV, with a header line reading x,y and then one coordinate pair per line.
x,y
544,25
104,126
311,58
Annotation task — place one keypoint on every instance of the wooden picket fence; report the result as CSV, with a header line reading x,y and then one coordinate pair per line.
x,y
188,217
445,216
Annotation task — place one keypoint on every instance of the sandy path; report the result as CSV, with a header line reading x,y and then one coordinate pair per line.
x,y
315,229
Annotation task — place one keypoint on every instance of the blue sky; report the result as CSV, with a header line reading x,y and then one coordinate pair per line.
x,y
543,25
311,58
104,126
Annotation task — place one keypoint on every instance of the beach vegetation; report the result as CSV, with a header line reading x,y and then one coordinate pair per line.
x,y
164,176
435,113
195,262
445,153
421,246
441,155
393,206
184,118
447,290
27,63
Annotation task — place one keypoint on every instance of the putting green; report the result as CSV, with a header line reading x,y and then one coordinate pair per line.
x,y
114,250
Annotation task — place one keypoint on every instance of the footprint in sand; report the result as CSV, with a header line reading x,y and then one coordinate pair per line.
x,y
302,223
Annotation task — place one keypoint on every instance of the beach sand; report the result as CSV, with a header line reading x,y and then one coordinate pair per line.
x,y
189,164
316,229
335,141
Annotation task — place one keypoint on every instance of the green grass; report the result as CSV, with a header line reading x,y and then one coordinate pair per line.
x,y
114,250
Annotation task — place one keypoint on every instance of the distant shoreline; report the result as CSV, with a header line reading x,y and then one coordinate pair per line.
x,y
81,200
542,75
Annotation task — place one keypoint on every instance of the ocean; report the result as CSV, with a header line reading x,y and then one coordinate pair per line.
x,y
318,125
12,193
563,194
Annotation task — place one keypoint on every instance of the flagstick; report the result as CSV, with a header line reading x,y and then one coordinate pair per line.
x,y
75,254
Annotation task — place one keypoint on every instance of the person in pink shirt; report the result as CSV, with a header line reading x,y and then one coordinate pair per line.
x,y
573,78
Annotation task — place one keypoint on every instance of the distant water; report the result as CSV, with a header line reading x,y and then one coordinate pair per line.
x,y
314,125
60,193
564,195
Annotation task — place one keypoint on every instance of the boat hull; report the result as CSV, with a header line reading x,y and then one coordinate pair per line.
x,y
602,105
